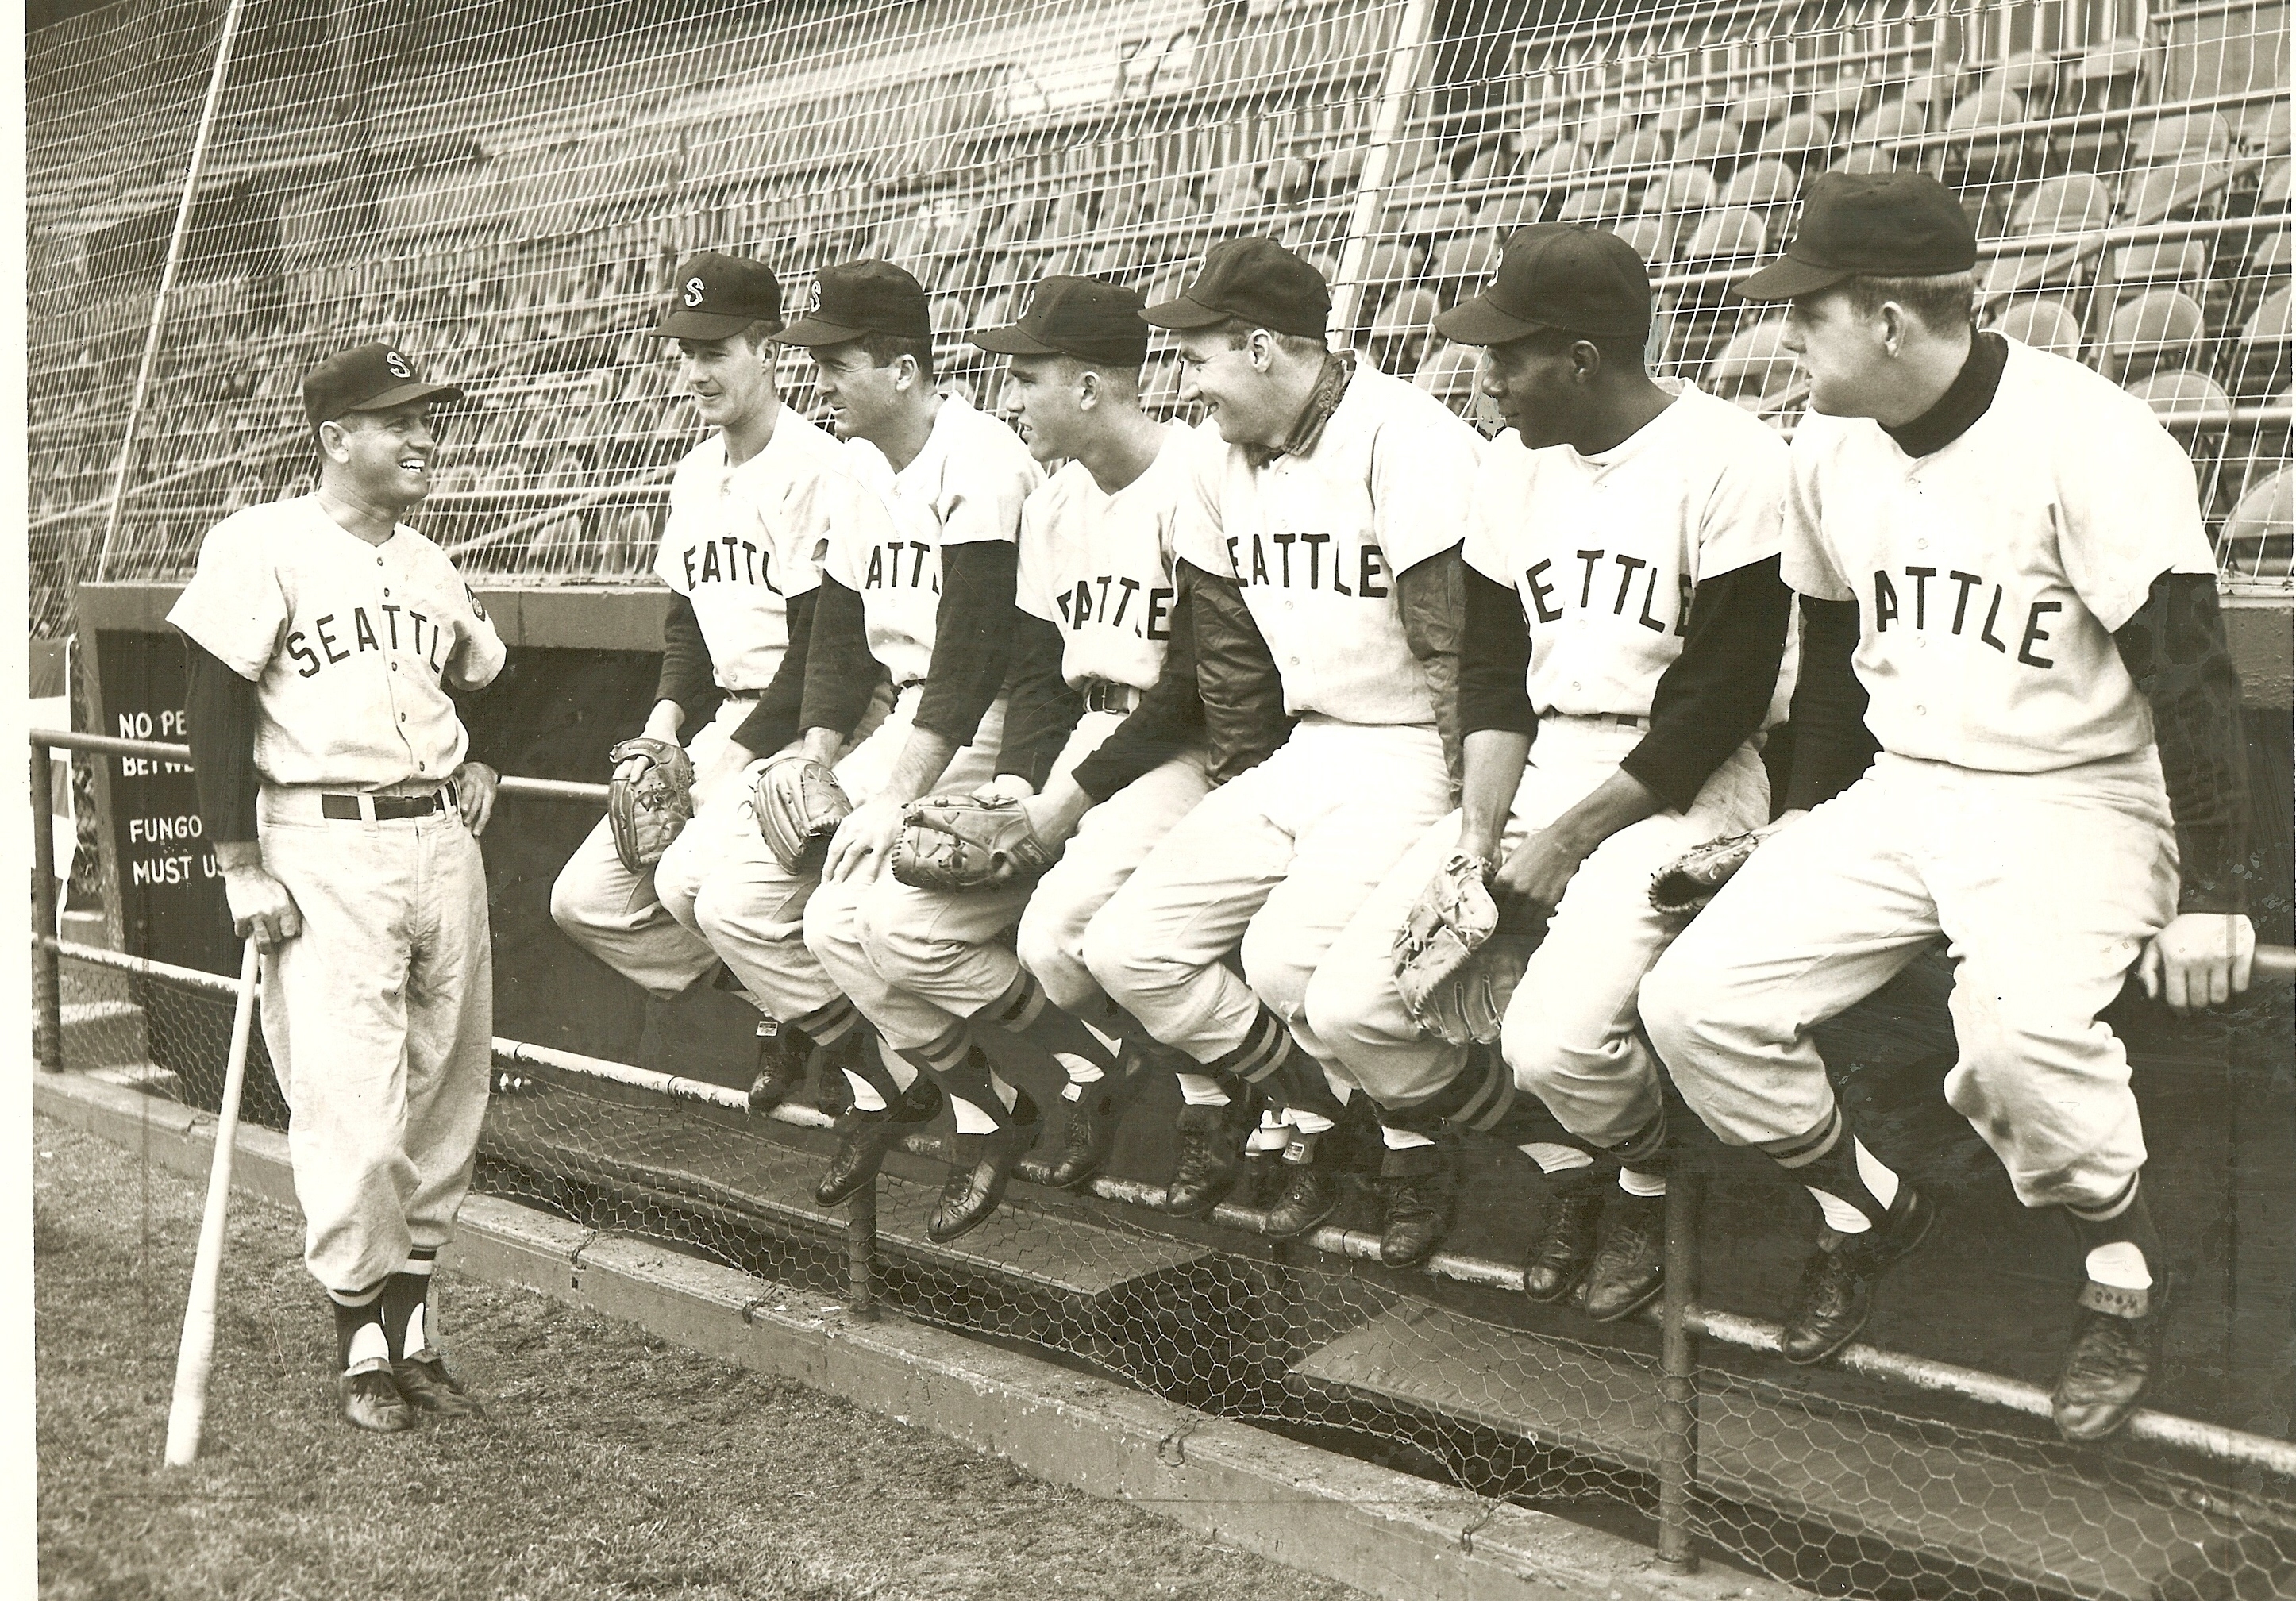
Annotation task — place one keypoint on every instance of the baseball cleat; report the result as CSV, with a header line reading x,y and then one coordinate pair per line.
x,y
2116,1344
429,1387
1414,1215
1836,1292
371,1400
1564,1247
865,1138
1310,1194
1090,1135
1206,1156
780,1065
1630,1269
981,1165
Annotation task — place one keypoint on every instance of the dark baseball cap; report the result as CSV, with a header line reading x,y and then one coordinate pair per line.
x,y
1257,279
1585,281
857,297
1888,225
1085,318
716,297
368,377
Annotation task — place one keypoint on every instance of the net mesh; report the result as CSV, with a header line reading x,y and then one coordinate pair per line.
x,y
503,191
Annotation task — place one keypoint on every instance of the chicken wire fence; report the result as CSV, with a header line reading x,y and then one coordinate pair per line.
x,y
503,189
1842,1481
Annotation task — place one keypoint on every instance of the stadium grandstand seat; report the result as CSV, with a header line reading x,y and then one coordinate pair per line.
x,y
1467,257
1434,222
1973,157
1889,122
1709,143
1601,204
1681,188
2114,77
2260,356
2272,192
2195,398
2164,261
1652,234
1798,140
1636,149
2072,203
2259,536
2158,328
1487,162
1401,332
1869,160
1728,234
1766,188
1841,98
1564,158
1392,261
1448,372
2031,75
1754,370
1756,105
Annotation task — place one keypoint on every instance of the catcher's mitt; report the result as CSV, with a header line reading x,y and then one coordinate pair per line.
x,y
1453,916
957,842
1683,889
799,803
647,812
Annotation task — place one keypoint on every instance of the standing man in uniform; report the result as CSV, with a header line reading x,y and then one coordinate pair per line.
x,y
2002,569
1338,505
325,639
922,591
1096,595
751,510
1624,623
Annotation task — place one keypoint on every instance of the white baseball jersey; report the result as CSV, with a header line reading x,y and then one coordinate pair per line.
x,y
1605,550
742,541
1990,575
1316,541
965,487
350,645
1098,567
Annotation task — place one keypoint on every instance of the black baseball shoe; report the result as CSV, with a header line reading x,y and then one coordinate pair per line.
x,y
980,1167
1564,1247
1093,1118
1311,1191
371,1400
1206,1154
2116,1345
865,1139
427,1385
1415,1203
1630,1269
782,1053
1836,1292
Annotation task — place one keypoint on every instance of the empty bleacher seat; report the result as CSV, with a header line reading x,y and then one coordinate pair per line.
x,y
2044,324
1709,143
1637,148
2260,356
1754,370
2260,534
1652,234
1974,158
2165,261
1601,203
2114,77
1758,105
1891,121
1724,235
1759,186
1448,372
2192,398
1470,254
1798,139
2159,328
1681,188
1400,333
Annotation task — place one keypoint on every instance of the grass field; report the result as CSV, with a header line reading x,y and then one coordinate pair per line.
x,y
610,1464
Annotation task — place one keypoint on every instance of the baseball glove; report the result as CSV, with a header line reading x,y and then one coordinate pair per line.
x,y
1468,1008
1451,919
647,812
957,842
799,803
1683,889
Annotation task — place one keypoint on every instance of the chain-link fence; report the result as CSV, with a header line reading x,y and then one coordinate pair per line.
x,y
503,189
1886,1473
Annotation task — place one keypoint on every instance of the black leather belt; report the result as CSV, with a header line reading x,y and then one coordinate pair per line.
x,y
1102,696
387,808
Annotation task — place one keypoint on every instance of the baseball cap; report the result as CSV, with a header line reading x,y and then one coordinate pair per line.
x,y
1892,225
1585,281
857,297
1081,317
367,378
1257,279
716,297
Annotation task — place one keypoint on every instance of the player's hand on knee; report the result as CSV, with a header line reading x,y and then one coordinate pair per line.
x,y
261,906
863,841
2200,959
476,785
1535,873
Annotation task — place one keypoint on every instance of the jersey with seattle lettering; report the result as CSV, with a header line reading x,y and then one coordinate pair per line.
x,y
1315,540
1990,575
742,540
1098,567
350,646
1605,550
965,485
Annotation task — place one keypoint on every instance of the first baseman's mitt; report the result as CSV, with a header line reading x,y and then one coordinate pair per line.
x,y
957,842
1451,919
1683,889
647,812
799,803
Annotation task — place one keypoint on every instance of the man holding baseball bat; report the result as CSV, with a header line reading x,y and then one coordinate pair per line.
x,y
324,638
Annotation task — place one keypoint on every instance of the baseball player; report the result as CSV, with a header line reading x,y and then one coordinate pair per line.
x,y
1625,625
324,639
751,509
1337,503
1095,594
2002,567
923,595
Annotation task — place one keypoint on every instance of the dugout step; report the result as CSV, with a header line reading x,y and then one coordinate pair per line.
x,y
2010,1512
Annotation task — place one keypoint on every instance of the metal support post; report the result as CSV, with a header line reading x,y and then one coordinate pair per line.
x,y
1677,1467
47,995
861,1252
1411,33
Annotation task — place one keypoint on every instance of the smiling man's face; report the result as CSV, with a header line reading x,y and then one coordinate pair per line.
x,y
389,454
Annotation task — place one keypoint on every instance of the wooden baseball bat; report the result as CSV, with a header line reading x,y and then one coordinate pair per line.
x,y
188,1411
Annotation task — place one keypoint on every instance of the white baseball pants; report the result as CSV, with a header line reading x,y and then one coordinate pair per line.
x,y
2047,886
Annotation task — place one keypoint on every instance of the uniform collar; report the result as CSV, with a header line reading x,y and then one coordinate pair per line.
x,y
1964,400
1323,400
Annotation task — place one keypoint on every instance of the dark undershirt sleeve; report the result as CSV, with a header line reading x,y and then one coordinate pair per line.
x,y
841,676
1831,748
1495,662
687,677
2175,648
973,638
772,721
1168,719
1430,598
220,717
1042,711
1237,675
1711,699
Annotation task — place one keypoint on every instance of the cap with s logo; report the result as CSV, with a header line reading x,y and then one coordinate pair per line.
x,y
714,296
857,297
1558,275
1881,224
1080,317
368,377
